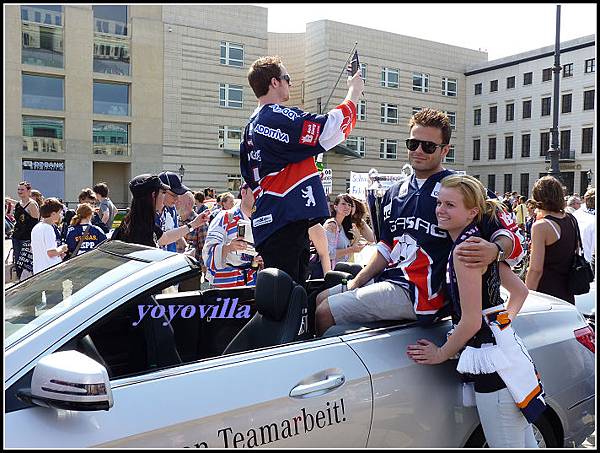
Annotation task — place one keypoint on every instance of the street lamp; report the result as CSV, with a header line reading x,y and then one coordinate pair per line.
x,y
181,171
589,178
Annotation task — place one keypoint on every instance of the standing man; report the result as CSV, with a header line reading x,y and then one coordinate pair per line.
x,y
167,219
108,210
27,215
277,161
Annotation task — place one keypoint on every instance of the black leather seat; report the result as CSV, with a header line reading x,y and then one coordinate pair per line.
x,y
281,316
351,268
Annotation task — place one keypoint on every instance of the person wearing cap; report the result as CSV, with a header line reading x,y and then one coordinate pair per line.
x,y
168,218
139,225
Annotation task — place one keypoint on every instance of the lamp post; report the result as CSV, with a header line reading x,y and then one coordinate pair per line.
x,y
554,150
181,171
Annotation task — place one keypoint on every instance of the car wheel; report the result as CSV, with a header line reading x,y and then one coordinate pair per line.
x,y
542,430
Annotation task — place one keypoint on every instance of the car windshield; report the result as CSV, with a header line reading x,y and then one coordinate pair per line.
x,y
49,294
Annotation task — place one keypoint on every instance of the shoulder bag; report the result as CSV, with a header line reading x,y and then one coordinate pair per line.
x,y
580,272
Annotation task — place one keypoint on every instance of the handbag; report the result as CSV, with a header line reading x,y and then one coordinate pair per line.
x,y
580,272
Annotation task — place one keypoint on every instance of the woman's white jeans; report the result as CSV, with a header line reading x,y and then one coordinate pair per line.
x,y
504,425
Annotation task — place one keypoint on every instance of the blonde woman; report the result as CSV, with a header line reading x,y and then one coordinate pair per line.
x,y
508,394
81,229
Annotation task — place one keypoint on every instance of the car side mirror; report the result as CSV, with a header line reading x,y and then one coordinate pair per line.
x,y
69,380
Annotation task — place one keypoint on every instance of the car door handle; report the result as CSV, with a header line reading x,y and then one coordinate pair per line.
x,y
329,383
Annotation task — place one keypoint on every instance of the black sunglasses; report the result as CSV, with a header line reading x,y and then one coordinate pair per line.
x,y
428,147
286,77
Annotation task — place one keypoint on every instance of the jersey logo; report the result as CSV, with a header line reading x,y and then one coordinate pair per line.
x,y
310,133
272,133
262,220
436,190
255,155
308,194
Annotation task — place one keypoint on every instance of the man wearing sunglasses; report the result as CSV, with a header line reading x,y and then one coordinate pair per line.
x,y
277,161
410,264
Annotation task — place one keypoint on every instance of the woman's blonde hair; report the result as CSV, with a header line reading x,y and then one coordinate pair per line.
x,y
84,211
474,194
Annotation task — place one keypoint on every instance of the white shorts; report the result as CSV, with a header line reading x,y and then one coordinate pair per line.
x,y
374,302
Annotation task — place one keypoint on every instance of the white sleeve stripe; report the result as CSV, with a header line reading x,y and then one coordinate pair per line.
x,y
332,134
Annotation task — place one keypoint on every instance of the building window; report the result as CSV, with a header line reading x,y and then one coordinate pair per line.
x,y
452,118
546,74
508,147
507,183
492,148
390,78
527,109
231,96
527,78
546,104
565,142
420,82
477,88
544,143
493,86
450,156
566,103
110,19
525,145
524,185
510,112
590,65
234,182
587,134
111,139
111,55
476,149
42,45
448,87
363,71
43,134
491,185
568,70
588,99
493,113
388,148
583,182
477,117
361,112
232,54
43,92
357,144
510,82
416,110
230,137
111,98
389,113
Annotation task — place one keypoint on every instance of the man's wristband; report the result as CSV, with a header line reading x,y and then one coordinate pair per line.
x,y
500,256
190,227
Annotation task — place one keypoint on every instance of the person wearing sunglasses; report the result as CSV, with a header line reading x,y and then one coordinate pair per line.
x,y
277,161
408,271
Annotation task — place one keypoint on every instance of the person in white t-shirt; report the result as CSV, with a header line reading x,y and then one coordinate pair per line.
x,y
45,236
587,225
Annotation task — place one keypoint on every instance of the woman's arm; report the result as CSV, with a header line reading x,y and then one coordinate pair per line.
x,y
33,209
366,231
517,291
537,255
318,236
469,287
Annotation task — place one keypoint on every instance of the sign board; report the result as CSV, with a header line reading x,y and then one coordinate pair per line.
x,y
327,180
359,182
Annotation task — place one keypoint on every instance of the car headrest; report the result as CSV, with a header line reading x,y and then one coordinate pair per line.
x,y
273,289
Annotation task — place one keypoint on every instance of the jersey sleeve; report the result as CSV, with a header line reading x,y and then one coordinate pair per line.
x,y
386,241
212,252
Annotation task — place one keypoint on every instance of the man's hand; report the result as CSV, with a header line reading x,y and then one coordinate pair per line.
x,y
238,244
476,252
356,86
200,219
425,352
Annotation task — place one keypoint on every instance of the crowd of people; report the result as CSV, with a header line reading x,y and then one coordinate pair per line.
x,y
446,241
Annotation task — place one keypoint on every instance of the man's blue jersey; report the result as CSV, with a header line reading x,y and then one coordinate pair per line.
x,y
277,161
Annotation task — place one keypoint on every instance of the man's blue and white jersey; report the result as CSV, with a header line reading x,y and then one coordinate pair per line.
x,y
277,161
167,221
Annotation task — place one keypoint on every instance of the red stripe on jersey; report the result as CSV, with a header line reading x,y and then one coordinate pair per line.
x,y
349,111
419,272
289,176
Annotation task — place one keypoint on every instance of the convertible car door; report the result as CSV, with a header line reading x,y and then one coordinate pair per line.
x,y
311,394
413,405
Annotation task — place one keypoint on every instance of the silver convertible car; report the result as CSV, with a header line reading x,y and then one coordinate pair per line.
x,y
119,348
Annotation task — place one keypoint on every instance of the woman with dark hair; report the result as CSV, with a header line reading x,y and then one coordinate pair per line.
x,y
139,227
339,230
553,241
360,228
